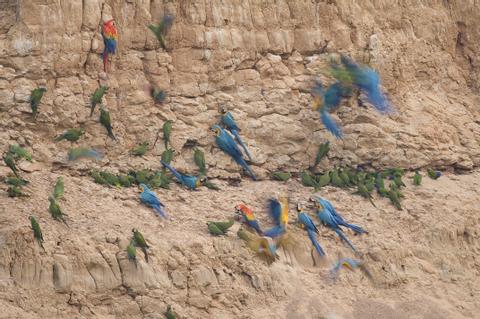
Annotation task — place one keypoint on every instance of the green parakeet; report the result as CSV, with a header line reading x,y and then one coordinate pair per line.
x,y
59,188
10,162
323,180
433,174
307,179
167,155
107,122
365,193
71,135
15,191
417,178
170,314
110,178
222,226
97,98
335,179
199,159
167,131
160,30
35,98
98,178
37,232
83,152
214,230
394,198
281,176
19,152
140,242
55,210
322,151
210,185
140,149
16,181
132,252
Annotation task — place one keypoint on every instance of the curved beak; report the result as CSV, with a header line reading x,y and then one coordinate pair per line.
x,y
317,103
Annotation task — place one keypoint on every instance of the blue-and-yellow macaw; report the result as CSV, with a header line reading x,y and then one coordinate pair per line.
x,y
248,218
229,122
150,199
307,223
227,144
278,209
324,101
330,218
110,38
351,264
191,182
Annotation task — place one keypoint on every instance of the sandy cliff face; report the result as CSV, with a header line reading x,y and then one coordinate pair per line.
x,y
259,58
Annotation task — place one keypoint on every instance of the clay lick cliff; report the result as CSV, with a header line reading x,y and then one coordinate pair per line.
x,y
259,60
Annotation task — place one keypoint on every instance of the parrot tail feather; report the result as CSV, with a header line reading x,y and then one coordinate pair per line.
x,y
313,237
240,141
244,164
355,228
345,239
177,175
160,211
330,124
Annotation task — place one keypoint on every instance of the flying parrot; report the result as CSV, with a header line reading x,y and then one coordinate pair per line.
x,y
35,98
37,231
227,144
229,122
71,135
199,159
351,264
330,218
83,152
58,190
191,182
140,149
97,98
324,101
247,217
150,199
263,246
160,30
139,241
307,223
55,210
19,152
417,178
106,122
278,210
110,38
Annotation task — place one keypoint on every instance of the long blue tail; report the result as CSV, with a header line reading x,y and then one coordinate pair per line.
x,y
313,237
355,228
160,211
244,164
330,124
345,239
239,140
177,175
274,231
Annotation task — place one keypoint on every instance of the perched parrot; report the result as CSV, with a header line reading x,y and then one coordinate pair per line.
x,y
83,152
248,218
35,98
10,162
364,192
191,182
140,149
263,246
98,178
125,180
379,182
160,30
323,180
150,199
132,252
169,314
139,241
110,38
229,122
19,152
394,197
167,155
210,185
368,81
37,231
199,159
97,98
308,180
167,131
227,144
223,226
351,264
71,135
397,179
110,178
433,174
321,153
324,101
55,210
335,179
58,190
16,181
281,176
15,191
417,178
307,223
330,218
214,229
158,95
106,122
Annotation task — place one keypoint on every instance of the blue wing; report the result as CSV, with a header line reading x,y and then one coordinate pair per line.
x,y
275,210
274,231
313,238
330,124
229,122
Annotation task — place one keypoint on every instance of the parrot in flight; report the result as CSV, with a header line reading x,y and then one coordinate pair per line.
x,y
328,216
83,152
278,210
19,152
227,144
229,122
191,182
37,231
71,135
139,241
307,223
110,38
262,245
150,199
160,30
106,122
58,190
140,149
247,217
326,100
97,98
351,264
35,98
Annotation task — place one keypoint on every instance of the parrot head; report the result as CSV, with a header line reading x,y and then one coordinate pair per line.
x,y
317,204
201,181
43,89
217,130
222,109
300,207
143,187
30,218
